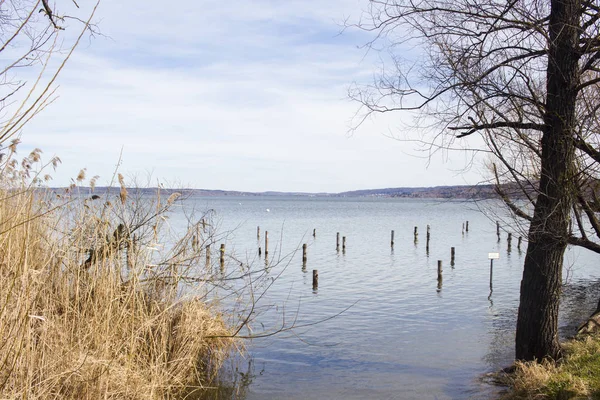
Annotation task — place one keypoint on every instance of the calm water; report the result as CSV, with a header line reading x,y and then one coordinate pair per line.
x,y
400,336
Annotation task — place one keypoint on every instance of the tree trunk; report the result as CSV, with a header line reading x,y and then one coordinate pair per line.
x,y
537,322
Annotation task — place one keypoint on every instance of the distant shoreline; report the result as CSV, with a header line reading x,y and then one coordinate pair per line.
x,y
437,192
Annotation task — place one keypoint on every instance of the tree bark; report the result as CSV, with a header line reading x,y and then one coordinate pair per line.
x,y
537,321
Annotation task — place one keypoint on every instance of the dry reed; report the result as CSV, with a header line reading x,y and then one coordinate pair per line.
x,y
577,375
89,308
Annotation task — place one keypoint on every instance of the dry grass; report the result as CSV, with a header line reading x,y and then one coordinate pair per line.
x,y
90,296
576,376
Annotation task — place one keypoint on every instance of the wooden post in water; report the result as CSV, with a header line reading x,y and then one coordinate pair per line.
x,y
337,241
315,233
195,242
467,227
416,235
452,256
304,253
258,233
392,241
463,229
519,243
491,271
439,270
266,243
304,257
259,251
509,240
427,241
344,243
315,279
498,230
208,254
222,255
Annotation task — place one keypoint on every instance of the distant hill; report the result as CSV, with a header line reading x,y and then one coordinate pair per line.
x,y
438,192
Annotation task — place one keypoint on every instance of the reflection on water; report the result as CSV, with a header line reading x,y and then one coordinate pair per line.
x,y
407,333
579,300
233,382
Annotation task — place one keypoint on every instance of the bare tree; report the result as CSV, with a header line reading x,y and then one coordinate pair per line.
x,y
36,40
523,75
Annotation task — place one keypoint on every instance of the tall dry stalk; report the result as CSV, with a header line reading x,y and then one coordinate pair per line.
x,y
89,306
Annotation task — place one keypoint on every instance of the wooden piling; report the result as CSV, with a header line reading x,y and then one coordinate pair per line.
x,y
337,241
519,243
439,270
416,234
266,243
344,243
463,229
498,230
491,272
259,251
304,253
222,255
509,240
392,240
315,233
208,254
258,233
195,242
315,278
452,253
427,242
467,227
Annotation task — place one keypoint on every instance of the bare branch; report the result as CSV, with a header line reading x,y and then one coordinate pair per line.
x,y
495,125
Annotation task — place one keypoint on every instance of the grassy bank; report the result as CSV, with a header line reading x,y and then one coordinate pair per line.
x,y
90,295
576,376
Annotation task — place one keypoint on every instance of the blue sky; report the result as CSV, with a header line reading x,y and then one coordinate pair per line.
x,y
234,95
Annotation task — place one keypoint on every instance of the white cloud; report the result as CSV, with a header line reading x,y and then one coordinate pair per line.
x,y
233,95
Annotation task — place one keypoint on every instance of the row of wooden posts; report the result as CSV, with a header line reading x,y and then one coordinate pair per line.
x,y
509,237
337,246
221,255
267,242
416,237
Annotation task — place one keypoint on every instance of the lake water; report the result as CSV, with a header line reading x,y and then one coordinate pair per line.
x,y
399,336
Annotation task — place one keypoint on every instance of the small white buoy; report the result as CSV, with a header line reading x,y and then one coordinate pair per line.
x,y
268,210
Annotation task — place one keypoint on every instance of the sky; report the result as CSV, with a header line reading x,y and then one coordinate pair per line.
x,y
236,95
